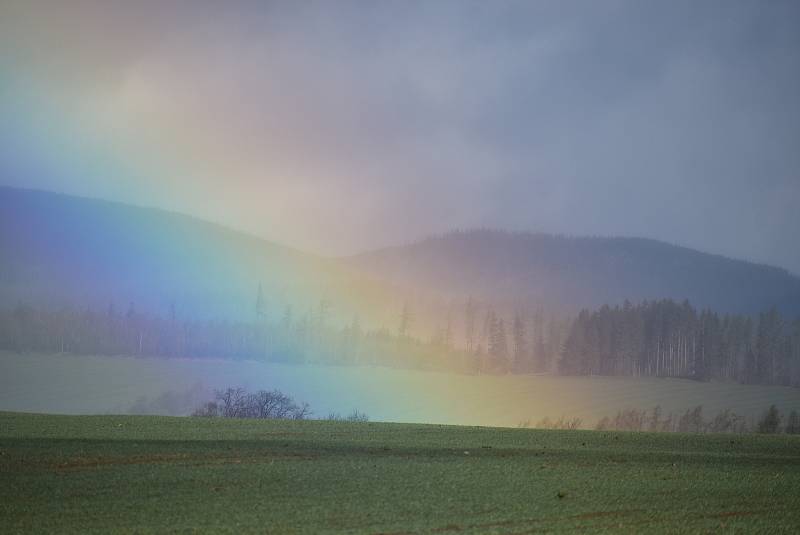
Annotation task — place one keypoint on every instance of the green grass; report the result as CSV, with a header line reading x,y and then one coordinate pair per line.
x,y
157,474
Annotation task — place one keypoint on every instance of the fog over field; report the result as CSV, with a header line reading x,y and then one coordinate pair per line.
x,y
90,385
399,266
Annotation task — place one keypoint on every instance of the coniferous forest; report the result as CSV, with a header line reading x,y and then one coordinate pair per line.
x,y
668,339
652,338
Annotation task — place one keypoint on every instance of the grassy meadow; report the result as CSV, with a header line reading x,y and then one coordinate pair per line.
x,y
125,474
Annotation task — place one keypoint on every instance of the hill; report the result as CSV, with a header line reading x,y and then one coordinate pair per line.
x,y
575,272
60,250
110,474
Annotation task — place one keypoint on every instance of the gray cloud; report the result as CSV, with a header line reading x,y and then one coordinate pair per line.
x,y
385,121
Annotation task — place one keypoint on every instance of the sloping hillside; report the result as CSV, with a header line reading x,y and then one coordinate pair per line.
x,y
60,250
576,272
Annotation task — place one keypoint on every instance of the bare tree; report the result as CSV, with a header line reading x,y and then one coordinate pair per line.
x,y
770,422
232,402
263,404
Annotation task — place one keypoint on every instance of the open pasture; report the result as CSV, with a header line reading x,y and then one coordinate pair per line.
x,y
106,474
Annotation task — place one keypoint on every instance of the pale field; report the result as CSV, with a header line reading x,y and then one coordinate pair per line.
x,y
71,384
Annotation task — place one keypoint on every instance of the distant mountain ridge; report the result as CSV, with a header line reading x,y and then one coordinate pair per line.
x,y
575,272
62,250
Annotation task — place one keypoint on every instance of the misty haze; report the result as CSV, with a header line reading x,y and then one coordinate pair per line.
x,y
373,267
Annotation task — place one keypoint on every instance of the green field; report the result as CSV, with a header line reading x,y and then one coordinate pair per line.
x,y
158,474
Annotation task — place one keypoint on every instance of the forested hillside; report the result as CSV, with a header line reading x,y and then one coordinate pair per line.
x,y
662,339
569,273
61,251
91,277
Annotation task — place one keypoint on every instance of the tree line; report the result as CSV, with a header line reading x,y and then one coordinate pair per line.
x,y
653,338
307,338
693,420
478,344
668,339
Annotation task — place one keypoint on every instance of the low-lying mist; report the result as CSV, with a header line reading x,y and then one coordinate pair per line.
x,y
96,385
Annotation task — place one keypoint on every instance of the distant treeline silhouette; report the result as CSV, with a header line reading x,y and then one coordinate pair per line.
x,y
667,339
653,338
307,338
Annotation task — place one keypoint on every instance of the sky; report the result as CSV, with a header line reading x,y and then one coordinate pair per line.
x,y
336,127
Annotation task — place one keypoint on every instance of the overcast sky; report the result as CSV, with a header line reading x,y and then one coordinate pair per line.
x,y
340,126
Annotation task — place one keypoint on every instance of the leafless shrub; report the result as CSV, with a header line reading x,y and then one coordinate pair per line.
x,y
793,423
630,420
232,402
271,405
263,405
561,423
544,423
692,421
770,422
655,422
302,411
355,416
605,424
209,409
727,421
